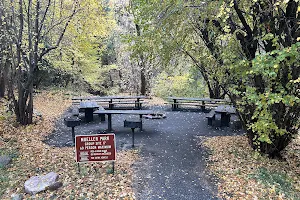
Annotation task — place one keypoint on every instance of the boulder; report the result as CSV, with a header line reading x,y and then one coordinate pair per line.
x,y
37,184
4,160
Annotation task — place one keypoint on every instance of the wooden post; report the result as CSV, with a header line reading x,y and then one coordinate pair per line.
x,y
78,167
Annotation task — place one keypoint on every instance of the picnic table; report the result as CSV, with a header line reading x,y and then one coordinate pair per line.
x,y
202,102
111,103
109,114
88,107
225,111
114,100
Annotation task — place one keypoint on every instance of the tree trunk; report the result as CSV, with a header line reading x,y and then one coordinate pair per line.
x,y
144,83
2,84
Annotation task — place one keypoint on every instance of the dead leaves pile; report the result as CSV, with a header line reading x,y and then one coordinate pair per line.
x,y
95,180
235,164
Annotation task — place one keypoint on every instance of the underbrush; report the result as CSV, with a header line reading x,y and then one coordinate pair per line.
x,y
179,85
245,174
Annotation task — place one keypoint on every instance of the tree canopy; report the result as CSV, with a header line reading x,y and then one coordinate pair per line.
x,y
248,50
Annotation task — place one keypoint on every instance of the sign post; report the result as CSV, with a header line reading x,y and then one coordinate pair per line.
x,y
95,148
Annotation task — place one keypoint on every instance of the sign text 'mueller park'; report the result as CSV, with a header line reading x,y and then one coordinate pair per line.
x,y
95,148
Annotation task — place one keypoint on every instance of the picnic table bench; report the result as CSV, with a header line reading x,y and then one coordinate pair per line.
x,y
203,103
113,101
225,110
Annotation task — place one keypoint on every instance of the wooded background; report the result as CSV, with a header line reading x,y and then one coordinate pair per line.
x,y
246,51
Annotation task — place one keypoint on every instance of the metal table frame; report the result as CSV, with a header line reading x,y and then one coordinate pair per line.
x,y
109,114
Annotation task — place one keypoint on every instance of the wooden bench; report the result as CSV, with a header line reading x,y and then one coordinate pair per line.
x,y
210,117
175,105
111,105
203,105
197,104
137,105
99,102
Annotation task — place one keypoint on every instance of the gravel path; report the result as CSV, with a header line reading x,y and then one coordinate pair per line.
x,y
172,165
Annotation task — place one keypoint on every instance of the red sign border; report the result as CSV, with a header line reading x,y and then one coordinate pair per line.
x,y
94,136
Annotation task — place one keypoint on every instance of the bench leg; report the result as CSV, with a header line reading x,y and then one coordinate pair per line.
x,y
73,135
102,117
110,105
109,126
174,105
138,105
132,130
225,119
141,120
202,108
88,114
210,120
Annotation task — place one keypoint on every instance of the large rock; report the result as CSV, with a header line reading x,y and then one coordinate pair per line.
x,y
4,160
37,184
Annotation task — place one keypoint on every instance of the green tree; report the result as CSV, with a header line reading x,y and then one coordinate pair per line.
x,y
33,28
81,50
247,49
265,77
168,32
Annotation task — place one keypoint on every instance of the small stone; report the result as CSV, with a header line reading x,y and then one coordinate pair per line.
x,y
16,197
4,160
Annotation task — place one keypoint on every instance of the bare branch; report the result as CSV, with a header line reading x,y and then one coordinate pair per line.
x,y
60,22
43,18
45,51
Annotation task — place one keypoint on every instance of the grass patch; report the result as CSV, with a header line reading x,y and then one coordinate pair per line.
x,y
13,153
279,182
4,180
245,174
4,172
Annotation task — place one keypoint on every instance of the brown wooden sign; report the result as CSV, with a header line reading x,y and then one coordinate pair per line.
x,y
95,148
